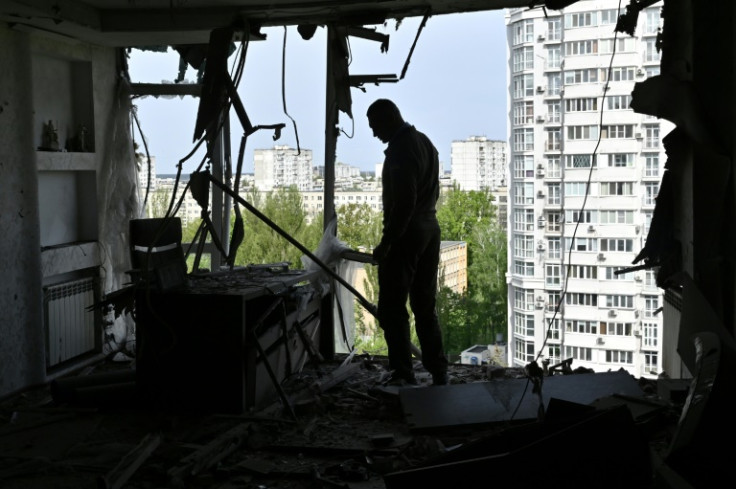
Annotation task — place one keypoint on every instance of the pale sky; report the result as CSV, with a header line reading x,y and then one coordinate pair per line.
x,y
454,88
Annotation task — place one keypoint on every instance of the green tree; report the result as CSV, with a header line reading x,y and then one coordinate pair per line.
x,y
262,244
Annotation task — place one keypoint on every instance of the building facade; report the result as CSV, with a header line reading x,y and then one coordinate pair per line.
x,y
478,163
584,173
454,266
282,166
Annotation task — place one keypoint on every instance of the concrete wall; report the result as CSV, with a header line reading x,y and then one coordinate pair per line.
x,y
21,328
73,83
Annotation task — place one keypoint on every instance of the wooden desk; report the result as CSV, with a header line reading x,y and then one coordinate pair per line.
x,y
198,348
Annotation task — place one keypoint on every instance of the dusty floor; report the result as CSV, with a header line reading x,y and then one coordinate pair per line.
x,y
346,436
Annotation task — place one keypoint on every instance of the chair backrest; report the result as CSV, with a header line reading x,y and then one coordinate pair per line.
x,y
156,252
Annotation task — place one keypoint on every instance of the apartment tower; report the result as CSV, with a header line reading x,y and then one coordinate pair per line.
x,y
584,173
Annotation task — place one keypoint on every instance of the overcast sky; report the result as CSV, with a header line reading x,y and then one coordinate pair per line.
x,y
454,88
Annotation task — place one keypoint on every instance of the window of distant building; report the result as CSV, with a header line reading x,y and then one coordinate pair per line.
x,y
651,136
579,353
612,216
552,274
616,188
524,299
523,246
578,326
621,45
582,132
523,350
650,362
523,219
554,58
524,139
524,325
553,166
554,83
554,248
650,334
523,113
618,131
577,77
581,19
621,245
651,189
619,356
581,244
553,300
553,351
554,221
523,32
523,86
554,114
616,329
651,165
618,102
620,301
554,28
651,53
523,59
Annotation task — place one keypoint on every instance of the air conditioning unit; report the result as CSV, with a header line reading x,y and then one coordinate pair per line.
x,y
540,37
601,257
540,166
541,221
636,313
612,313
591,228
600,341
541,246
540,194
540,173
637,278
540,118
540,89
637,229
637,331
638,135
639,71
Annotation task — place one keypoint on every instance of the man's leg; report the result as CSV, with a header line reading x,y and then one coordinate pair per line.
x,y
393,291
423,297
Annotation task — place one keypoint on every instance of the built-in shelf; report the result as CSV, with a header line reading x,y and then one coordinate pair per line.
x,y
65,161
58,260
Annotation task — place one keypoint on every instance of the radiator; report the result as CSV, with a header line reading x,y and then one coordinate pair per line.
x,y
70,326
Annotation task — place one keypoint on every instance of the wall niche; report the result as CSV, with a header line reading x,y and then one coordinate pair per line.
x,y
63,104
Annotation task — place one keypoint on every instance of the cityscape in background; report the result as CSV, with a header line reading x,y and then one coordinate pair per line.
x,y
574,188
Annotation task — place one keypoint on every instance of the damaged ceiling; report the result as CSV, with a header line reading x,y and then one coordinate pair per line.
x,y
124,23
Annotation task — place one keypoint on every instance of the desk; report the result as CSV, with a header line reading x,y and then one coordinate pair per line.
x,y
196,347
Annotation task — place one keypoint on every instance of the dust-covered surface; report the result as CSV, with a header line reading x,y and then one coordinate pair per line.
x,y
343,427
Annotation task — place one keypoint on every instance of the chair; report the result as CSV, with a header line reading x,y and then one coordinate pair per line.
x,y
156,253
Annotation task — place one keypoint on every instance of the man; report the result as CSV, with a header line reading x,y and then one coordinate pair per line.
x,y
409,252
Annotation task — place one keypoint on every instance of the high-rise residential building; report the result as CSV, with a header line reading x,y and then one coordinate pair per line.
x,y
282,166
478,163
144,171
585,170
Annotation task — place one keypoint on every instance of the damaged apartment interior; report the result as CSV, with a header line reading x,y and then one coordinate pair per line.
x,y
236,380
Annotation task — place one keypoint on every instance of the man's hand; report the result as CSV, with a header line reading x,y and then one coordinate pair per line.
x,y
381,251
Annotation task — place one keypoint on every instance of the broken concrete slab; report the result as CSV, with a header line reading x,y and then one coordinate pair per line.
x,y
484,403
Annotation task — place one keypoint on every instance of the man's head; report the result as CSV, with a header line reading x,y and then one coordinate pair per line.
x,y
384,119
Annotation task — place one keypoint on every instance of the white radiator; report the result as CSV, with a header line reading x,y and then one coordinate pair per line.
x,y
70,326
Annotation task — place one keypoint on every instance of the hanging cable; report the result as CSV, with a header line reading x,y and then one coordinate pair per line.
x,y
283,93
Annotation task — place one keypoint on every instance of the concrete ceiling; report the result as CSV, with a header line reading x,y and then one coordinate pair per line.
x,y
125,23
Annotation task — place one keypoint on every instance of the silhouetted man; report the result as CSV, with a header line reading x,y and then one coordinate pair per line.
x,y
409,252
